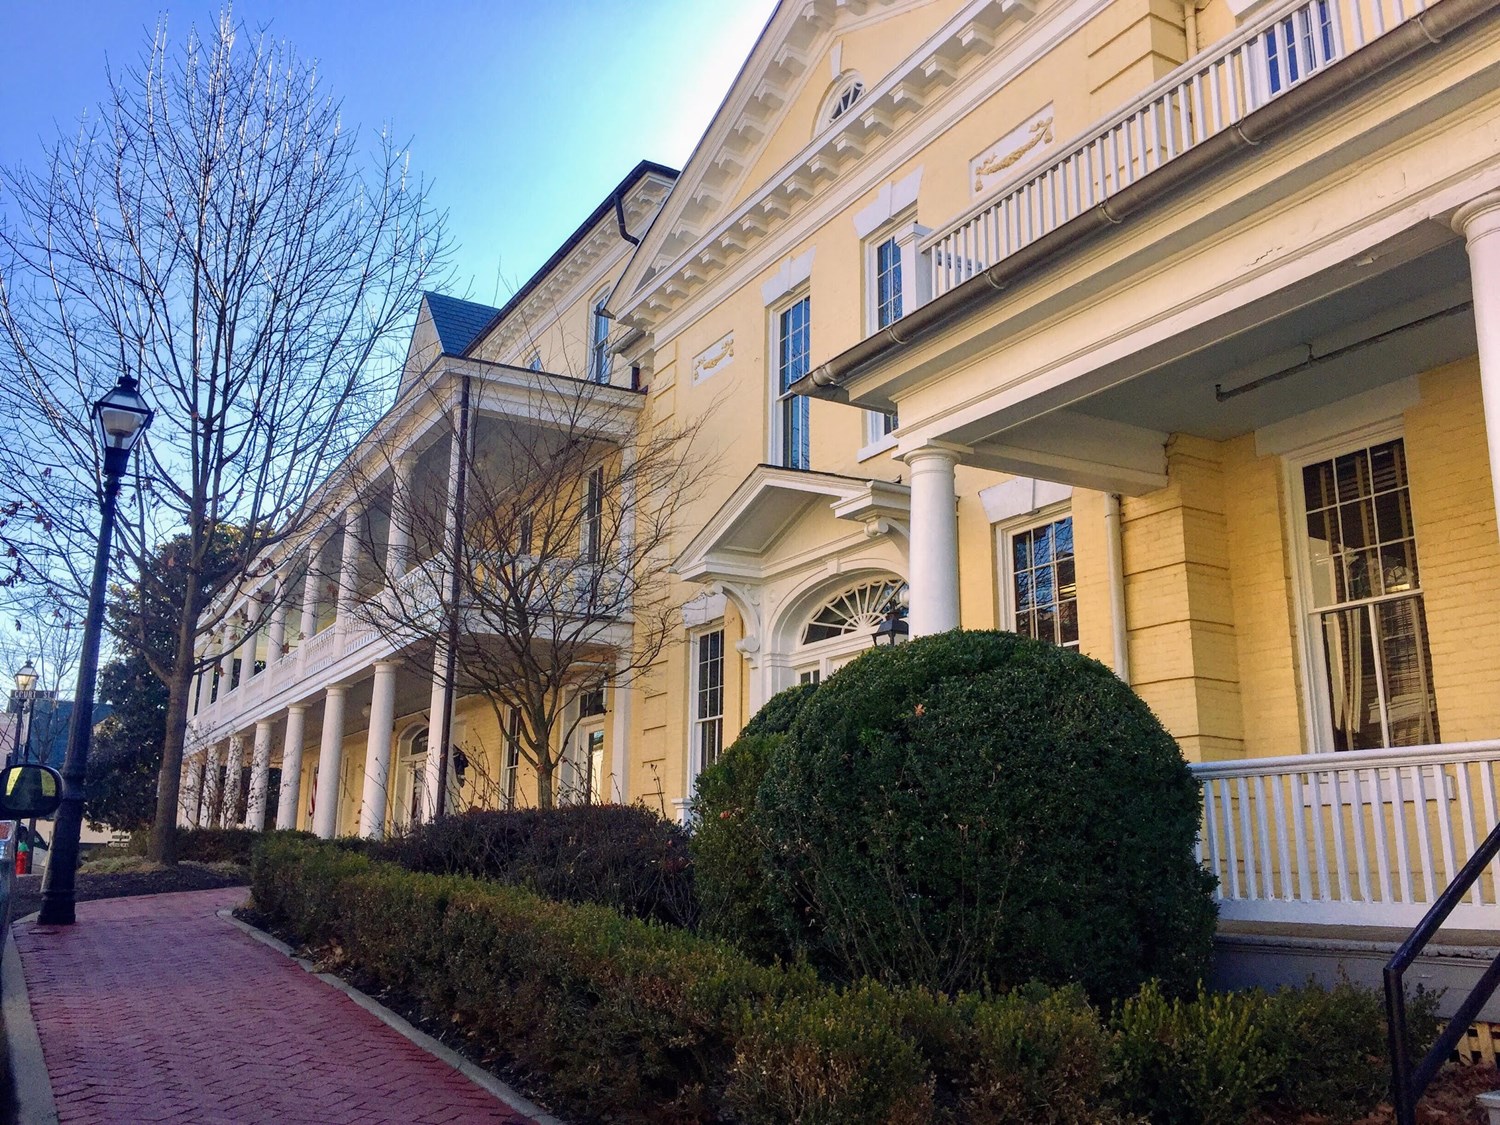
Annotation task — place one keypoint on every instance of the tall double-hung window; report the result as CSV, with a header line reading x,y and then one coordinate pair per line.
x,y
708,697
1299,45
1044,584
510,769
599,341
1365,610
793,340
593,517
888,308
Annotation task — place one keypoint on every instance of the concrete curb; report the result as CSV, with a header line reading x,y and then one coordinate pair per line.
x,y
23,1047
480,1077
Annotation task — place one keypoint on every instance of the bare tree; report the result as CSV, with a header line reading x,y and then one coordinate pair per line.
x,y
541,579
217,233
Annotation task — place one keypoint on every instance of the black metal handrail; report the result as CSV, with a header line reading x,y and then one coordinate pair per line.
x,y
1408,1084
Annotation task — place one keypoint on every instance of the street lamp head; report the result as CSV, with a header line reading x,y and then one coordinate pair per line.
x,y
893,626
26,678
123,417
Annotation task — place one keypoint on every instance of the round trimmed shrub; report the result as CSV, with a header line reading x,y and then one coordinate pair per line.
x,y
727,845
978,810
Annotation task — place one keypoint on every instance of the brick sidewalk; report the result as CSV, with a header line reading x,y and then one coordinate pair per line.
x,y
153,1009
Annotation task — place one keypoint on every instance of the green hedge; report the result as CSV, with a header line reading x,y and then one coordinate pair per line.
x,y
630,1021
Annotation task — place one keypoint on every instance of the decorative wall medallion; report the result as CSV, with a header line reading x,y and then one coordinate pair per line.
x,y
1026,141
714,358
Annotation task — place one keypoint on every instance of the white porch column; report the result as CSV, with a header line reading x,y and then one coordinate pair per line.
x,y
310,595
260,777
276,635
330,762
191,798
213,786
348,566
1479,223
398,538
620,698
439,723
233,765
933,561
378,751
291,765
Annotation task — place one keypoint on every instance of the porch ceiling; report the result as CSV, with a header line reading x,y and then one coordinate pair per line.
x,y
1404,312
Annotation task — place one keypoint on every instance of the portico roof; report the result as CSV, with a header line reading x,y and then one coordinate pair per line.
x,y
769,500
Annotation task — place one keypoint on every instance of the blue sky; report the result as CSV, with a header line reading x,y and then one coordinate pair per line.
x,y
522,113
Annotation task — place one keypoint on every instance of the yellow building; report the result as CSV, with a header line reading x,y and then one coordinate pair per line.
x,y
1162,330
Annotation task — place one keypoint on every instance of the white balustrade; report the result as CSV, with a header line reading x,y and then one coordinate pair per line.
x,y
1203,97
319,650
1369,837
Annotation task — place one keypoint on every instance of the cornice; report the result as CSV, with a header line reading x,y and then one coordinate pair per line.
x,y
670,303
897,109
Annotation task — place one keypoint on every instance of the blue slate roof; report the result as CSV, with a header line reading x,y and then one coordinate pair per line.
x,y
458,323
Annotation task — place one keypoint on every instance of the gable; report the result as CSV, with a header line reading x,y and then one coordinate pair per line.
x,y
445,326
740,185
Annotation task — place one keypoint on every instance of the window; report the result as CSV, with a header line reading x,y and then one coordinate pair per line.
x,y
599,341
858,611
591,703
593,778
510,769
1299,45
843,99
887,283
1365,606
1043,586
524,527
593,516
708,697
535,362
793,338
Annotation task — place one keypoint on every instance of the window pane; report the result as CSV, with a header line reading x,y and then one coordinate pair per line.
x,y
1353,689
1044,583
1406,662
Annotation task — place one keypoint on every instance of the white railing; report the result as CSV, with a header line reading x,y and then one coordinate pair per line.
x,y
1369,837
1203,97
319,649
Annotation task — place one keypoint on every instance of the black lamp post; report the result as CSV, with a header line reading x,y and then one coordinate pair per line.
x,y
122,416
25,683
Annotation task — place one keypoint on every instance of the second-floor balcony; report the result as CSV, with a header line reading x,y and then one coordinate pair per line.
x,y
1206,98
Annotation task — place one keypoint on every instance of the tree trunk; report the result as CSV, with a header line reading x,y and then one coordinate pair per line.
x,y
544,797
163,848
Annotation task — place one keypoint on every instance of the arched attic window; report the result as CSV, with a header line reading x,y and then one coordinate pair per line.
x,y
857,610
840,100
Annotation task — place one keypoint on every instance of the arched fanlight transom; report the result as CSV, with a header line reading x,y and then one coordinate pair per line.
x,y
846,99
858,610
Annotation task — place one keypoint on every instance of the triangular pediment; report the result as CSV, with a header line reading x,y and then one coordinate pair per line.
x,y
768,502
445,326
771,148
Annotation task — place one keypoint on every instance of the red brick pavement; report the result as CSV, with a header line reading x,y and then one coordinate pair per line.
x,y
153,1009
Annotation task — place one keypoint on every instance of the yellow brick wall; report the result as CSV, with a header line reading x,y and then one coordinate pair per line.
x,y
1262,603
1178,605
1457,549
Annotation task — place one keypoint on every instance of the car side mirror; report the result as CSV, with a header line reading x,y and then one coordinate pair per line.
x,y
29,790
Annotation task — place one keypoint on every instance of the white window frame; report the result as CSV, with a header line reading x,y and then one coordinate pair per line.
x,y
510,761
916,285
601,362
534,361
695,685
1005,566
592,546
1318,721
776,453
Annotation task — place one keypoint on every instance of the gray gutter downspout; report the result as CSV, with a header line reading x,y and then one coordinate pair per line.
x,y
1417,35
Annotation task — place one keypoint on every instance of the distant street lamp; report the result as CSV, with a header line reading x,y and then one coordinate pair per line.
x,y
25,684
122,416
893,626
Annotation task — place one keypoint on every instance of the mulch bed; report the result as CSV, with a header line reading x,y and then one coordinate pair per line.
x,y
1450,1100
184,877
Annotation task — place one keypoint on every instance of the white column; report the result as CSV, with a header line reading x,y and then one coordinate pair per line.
x,y
933,562
621,697
213,787
192,790
398,538
1479,223
310,595
232,768
260,777
439,723
348,566
291,765
378,751
330,762
276,636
